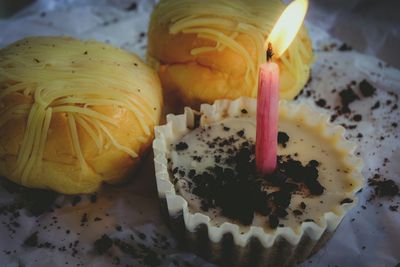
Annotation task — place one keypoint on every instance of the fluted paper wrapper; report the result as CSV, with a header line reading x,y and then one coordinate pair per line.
x,y
228,244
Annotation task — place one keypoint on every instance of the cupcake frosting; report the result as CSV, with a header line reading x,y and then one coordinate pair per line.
x,y
313,177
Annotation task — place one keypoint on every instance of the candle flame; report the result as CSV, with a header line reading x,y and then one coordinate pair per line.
x,y
287,26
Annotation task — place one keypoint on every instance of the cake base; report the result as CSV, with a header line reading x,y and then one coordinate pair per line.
x,y
227,253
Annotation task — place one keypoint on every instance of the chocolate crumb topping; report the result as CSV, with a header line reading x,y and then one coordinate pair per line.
x,y
393,208
103,244
240,133
191,173
321,103
32,240
347,96
346,200
313,163
221,186
142,236
131,7
197,158
181,146
283,138
357,117
376,105
297,212
145,255
84,219
345,47
386,188
366,88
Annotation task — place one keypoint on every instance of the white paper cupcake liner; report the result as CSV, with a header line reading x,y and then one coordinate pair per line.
x,y
227,244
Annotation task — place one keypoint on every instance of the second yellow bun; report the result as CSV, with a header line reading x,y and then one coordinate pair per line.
x,y
212,49
74,114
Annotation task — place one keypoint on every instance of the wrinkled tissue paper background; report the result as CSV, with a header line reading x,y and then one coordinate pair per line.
x,y
368,236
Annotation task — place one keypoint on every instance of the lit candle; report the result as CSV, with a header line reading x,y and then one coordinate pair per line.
x,y
267,116
278,41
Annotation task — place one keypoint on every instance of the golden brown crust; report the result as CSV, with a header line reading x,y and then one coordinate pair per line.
x,y
60,169
201,78
217,74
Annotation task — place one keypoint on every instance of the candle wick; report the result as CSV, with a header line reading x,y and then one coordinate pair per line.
x,y
270,53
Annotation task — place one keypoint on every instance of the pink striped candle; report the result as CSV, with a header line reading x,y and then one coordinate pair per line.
x,y
267,118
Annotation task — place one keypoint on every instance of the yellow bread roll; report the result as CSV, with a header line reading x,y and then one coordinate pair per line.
x,y
212,49
74,114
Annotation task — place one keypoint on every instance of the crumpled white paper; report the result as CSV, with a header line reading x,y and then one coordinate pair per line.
x,y
368,236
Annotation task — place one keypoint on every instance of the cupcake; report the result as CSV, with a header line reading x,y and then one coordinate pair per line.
x,y
220,45
221,208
